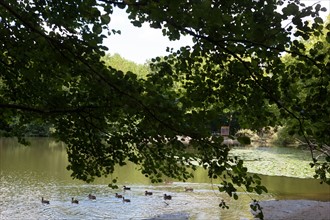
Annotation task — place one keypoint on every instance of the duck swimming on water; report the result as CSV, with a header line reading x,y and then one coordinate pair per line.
x,y
126,188
44,201
147,193
188,189
74,201
90,196
126,200
118,195
167,197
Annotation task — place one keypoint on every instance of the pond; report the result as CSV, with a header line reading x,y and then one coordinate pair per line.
x,y
39,170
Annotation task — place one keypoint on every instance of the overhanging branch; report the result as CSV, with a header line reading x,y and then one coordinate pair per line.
x,y
45,111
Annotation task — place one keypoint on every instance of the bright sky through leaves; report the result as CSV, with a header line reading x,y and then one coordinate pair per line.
x,y
142,44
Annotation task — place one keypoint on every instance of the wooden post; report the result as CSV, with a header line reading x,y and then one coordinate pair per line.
x,y
224,130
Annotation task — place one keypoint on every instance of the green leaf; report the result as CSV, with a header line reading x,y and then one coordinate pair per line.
x,y
244,140
318,20
121,5
291,9
323,9
137,23
97,28
328,37
309,131
156,25
105,19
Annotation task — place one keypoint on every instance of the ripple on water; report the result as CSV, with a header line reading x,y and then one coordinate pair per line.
x,y
21,199
200,204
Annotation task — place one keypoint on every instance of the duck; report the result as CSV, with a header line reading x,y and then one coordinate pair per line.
x,y
90,196
148,193
126,188
44,201
167,197
118,196
126,200
74,201
188,189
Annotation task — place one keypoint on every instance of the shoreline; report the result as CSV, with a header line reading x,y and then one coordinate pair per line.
x,y
296,209
274,210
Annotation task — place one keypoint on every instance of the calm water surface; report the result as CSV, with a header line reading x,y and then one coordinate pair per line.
x,y
28,173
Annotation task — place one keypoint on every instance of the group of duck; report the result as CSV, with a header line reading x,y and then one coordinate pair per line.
x,y
93,197
73,200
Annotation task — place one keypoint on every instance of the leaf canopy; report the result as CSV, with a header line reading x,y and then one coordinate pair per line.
x,y
52,69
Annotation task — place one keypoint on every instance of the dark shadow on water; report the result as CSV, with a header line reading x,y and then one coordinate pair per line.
x,y
171,216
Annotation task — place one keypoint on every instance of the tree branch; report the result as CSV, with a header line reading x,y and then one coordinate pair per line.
x,y
270,95
48,111
55,43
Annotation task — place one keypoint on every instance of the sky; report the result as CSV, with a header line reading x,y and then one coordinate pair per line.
x,y
142,44
138,44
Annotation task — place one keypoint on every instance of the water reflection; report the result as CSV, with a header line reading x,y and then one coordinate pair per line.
x,y
296,188
28,173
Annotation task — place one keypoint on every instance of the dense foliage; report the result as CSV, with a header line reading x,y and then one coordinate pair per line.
x,y
52,70
119,63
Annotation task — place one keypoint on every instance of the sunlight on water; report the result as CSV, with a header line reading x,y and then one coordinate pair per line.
x,y
28,173
21,198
